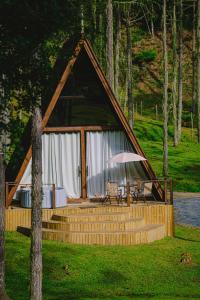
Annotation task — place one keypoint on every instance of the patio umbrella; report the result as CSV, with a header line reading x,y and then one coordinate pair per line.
x,y
125,157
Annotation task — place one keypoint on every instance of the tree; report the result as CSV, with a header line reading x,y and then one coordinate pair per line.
x,y
180,70
165,93
109,48
36,233
3,123
129,73
117,52
174,84
194,61
35,77
198,70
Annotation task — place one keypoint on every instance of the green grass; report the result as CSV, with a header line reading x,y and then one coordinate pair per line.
x,y
112,272
184,162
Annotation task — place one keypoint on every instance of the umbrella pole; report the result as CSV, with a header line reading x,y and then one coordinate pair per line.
x,y
127,187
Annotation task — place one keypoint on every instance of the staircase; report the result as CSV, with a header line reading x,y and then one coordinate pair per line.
x,y
101,226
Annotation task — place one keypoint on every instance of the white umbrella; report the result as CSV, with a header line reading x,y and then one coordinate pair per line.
x,y
125,157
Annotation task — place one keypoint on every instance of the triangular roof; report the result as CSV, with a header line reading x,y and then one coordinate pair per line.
x,y
83,45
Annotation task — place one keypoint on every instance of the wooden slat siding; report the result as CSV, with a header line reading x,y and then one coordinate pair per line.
x,y
152,214
146,235
130,134
79,128
83,165
45,119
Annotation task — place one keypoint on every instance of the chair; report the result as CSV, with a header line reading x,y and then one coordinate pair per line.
x,y
135,189
146,191
113,192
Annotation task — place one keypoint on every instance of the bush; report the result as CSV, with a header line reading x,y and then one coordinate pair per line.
x,y
145,56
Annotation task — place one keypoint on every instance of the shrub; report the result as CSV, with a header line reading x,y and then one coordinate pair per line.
x,y
145,56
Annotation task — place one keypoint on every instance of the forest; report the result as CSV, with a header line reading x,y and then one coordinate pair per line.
x,y
149,51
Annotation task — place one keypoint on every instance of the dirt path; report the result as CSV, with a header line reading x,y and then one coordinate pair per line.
x,y
183,195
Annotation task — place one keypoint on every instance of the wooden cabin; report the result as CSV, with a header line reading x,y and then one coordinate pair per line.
x,y
83,127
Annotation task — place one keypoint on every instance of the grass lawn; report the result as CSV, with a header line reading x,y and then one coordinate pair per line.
x,y
115,272
184,160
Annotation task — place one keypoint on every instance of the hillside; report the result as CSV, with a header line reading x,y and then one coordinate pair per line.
x,y
184,162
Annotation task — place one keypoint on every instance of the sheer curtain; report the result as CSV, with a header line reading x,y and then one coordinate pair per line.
x,y
101,146
60,162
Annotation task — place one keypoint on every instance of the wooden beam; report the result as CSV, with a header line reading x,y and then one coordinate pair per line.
x,y
53,196
61,84
79,128
83,165
72,97
146,166
47,114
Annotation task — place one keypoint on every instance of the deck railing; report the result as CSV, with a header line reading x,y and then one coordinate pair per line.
x,y
162,190
163,186
9,185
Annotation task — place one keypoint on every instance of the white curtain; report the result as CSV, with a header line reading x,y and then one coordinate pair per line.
x,y
101,146
60,162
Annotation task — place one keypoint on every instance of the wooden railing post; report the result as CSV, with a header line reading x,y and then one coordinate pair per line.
x,y
54,196
171,192
128,195
165,190
6,195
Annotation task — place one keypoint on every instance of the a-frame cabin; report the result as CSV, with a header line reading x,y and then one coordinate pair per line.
x,y
83,127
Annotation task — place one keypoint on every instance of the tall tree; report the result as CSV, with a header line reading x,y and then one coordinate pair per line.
x,y
194,61
180,69
174,84
165,92
3,108
152,19
109,48
129,73
198,70
117,52
36,234
36,74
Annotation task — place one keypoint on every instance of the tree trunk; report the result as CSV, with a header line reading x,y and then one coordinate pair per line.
x,y
117,54
180,71
198,71
3,295
129,75
194,61
174,84
152,21
3,117
125,104
36,236
165,94
109,48
94,8
101,40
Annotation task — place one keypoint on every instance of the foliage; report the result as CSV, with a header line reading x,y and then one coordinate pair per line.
x,y
31,43
184,164
108,272
145,56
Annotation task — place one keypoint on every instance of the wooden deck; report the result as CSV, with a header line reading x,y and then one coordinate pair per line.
x,y
105,225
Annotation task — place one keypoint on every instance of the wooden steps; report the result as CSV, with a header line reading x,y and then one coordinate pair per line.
x,y
101,226
93,226
98,217
145,234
